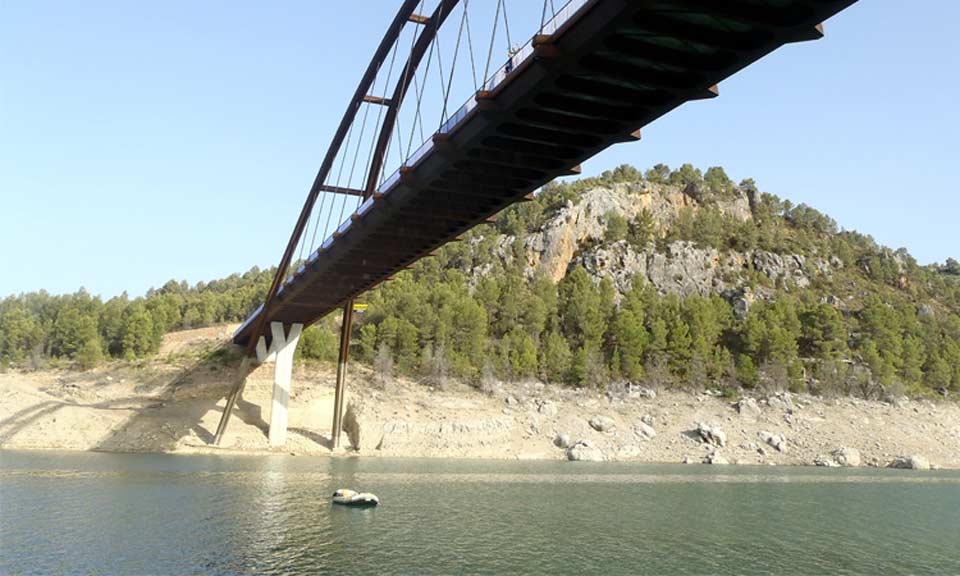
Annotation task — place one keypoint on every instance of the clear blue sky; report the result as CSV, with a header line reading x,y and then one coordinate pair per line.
x,y
146,141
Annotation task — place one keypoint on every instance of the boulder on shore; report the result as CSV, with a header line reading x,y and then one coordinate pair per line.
x,y
781,401
602,424
845,456
778,441
561,440
914,462
547,408
715,458
748,407
711,434
644,430
584,450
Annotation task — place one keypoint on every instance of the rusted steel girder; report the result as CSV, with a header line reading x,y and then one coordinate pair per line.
x,y
344,354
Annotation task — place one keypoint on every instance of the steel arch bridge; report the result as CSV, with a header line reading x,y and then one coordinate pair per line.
x,y
590,75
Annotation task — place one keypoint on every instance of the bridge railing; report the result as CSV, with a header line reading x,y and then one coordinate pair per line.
x,y
495,80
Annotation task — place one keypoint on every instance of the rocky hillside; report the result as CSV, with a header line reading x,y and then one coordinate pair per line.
x,y
579,235
679,276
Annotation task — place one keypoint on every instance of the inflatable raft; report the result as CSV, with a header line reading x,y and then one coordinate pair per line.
x,y
347,497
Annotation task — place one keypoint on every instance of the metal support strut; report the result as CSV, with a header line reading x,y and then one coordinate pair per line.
x,y
345,329
232,399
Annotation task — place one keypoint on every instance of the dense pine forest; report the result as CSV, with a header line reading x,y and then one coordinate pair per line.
x,y
855,318
37,327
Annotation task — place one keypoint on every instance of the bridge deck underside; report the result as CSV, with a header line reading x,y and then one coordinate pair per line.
x,y
612,68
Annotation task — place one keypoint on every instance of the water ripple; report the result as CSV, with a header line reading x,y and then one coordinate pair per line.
x,y
110,514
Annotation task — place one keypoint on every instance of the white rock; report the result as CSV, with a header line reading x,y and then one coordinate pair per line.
x,y
584,450
715,458
644,430
602,423
777,441
781,401
547,408
748,407
712,434
648,393
561,440
845,456
914,462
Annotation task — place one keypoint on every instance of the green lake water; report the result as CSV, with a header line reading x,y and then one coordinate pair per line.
x,y
89,513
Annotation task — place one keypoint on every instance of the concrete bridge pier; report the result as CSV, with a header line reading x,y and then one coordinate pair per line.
x,y
281,354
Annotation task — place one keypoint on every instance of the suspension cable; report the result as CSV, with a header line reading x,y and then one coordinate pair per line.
x,y
506,26
343,159
303,241
303,244
436,38
353,165
543,17
473,65
356,153
453,66
407,70
373,141
316,225
493,36
417,115
414,120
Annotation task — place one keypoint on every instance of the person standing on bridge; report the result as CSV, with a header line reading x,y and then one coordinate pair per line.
x,y
511,52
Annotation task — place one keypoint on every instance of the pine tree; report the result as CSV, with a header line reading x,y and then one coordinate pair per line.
x,y
617,227
630,335
582,309
139,337
90,352
823,334
555,358
658,174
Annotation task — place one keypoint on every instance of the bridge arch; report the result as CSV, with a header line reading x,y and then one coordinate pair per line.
x,y
590,77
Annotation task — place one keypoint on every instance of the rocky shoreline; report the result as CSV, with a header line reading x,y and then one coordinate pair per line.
x,y
168,408
537,422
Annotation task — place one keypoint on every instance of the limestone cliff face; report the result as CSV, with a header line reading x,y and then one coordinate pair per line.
x,y
553,249
574,235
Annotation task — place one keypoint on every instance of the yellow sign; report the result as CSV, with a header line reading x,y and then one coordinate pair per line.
x,y
360,307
